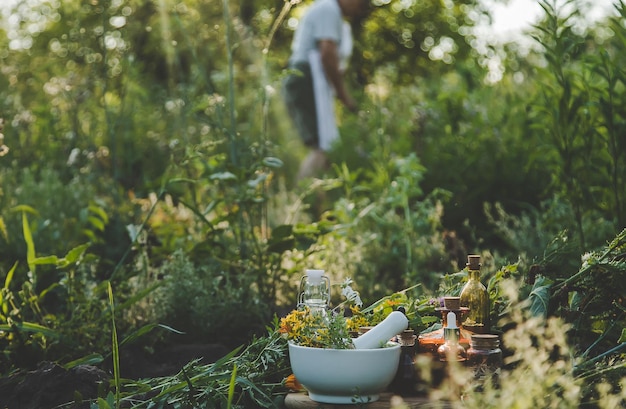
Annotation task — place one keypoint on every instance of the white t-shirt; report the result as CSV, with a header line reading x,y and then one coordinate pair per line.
x,y
322,21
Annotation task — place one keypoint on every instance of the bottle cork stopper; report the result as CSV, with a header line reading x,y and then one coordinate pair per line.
x,y
473,262
452,303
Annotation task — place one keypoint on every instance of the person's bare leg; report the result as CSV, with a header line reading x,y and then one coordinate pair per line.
x,y
312,166
315,162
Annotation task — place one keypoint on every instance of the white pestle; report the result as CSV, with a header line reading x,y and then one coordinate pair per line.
x,y
395,323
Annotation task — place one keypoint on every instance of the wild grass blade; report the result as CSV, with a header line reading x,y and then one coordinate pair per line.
x,y
91,359
231,387
115,349
9,278
30,327
30,244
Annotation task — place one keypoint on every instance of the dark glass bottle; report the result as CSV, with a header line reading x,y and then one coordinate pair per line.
x,y
405,381
474,296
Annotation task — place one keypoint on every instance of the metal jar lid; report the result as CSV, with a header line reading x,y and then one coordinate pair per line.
x,y
485,341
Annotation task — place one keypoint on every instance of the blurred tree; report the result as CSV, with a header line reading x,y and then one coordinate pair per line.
x,y
419,39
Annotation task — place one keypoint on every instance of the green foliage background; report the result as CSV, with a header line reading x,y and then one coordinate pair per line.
x,y
152,132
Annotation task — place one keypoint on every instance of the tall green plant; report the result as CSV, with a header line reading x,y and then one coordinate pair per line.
x,y
28,330
226,181
608,65
580,116
569,123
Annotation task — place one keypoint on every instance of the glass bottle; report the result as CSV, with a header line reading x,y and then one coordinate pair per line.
x,y
315,292
404,383
430,342
474,296
484,357
451,350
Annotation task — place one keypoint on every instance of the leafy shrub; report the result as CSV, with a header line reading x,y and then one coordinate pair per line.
x,y
589,296
55,311
68,212
528,233
201,302
387,235
64,218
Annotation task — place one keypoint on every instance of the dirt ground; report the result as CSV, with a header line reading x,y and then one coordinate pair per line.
x,y
50,385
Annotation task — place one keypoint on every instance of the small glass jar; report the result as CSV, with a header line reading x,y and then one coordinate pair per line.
x,y
484,357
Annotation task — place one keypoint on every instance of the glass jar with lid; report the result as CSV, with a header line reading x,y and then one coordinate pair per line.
x,y
484,357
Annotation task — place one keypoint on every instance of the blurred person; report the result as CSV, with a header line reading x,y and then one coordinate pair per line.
x,y
321,48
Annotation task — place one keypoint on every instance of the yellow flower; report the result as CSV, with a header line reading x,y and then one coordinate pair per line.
x,y
292,383
315,330
357,321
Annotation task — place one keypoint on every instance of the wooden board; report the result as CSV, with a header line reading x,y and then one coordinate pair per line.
x,y
302,401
